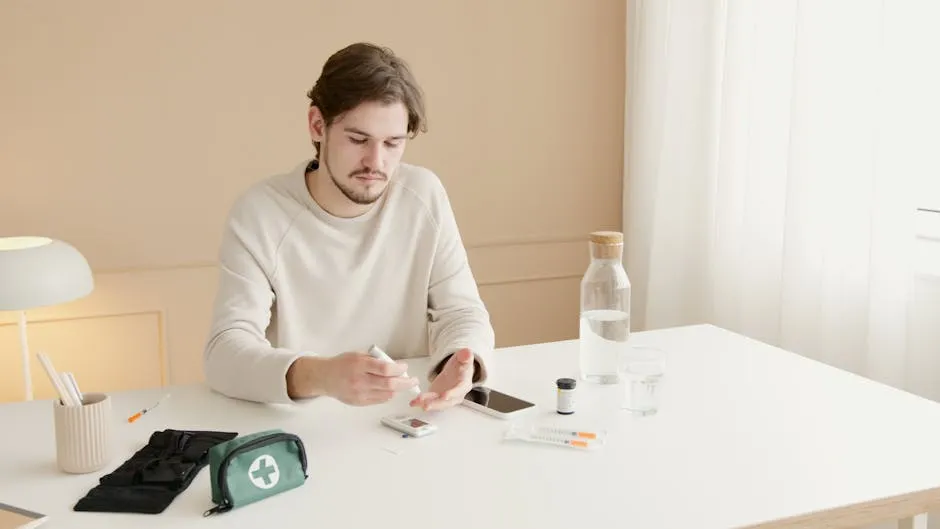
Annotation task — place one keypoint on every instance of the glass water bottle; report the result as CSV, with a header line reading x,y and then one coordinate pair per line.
x,y
605,310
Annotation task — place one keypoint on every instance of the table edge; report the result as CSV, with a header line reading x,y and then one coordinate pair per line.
x,y
860,514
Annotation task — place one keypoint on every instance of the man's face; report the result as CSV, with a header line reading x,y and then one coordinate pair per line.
x,y
361,150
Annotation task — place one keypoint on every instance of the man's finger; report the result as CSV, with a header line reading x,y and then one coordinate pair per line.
x,y
377,397
464,361
423,399
464,356
440,404
463,383
392,383
382,396
374,366
465,369
457,391
432,403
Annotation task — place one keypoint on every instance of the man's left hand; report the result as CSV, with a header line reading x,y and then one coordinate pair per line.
x,y
450,385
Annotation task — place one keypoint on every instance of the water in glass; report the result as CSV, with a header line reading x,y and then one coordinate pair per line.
x,y
643,371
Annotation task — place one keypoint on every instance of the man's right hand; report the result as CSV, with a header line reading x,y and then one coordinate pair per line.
x,y
353,378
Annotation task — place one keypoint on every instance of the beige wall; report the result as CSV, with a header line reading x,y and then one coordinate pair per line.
x,y
128,128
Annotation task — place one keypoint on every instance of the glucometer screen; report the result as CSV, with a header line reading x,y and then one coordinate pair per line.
x,y
495,400
417,423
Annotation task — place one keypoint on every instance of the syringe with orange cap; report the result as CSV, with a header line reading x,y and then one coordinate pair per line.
x,y
568,432
548,436
141,413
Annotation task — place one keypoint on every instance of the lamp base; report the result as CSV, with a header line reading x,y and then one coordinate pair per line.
x,y
24,350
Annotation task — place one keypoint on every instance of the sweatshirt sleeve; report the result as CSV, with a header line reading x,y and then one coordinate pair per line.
x,y
458,317
239,361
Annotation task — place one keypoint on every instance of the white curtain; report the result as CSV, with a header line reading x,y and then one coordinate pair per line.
x,y
774,153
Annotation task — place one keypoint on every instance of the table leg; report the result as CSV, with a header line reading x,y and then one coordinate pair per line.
x,y
917,522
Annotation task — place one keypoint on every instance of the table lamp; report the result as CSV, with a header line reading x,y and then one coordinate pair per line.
x,y
37,272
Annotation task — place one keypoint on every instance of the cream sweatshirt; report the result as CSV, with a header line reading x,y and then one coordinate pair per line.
x,y
295,280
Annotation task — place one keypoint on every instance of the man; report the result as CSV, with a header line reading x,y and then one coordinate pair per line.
x,y
351,249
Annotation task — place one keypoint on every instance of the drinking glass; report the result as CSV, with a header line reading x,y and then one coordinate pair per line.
x,y
643,370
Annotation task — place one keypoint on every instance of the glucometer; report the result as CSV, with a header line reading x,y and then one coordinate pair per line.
x,y
409,424
375,352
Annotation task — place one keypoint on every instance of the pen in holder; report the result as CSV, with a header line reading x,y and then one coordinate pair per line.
x,y
83,434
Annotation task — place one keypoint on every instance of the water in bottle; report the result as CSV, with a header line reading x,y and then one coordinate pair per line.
x,y
605,310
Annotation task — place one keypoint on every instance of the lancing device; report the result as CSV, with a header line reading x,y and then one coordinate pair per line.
x,y
375,352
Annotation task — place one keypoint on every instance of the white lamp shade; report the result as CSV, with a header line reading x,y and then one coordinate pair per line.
x,y
38,272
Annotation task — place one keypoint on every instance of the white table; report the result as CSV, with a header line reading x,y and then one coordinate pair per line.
x,y
748,435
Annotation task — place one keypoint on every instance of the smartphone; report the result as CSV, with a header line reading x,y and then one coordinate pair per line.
x,y
495,403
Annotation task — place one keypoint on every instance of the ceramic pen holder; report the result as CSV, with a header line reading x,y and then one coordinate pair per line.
x,y
83,434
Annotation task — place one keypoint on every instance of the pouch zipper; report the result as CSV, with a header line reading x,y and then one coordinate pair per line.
x,y
226,504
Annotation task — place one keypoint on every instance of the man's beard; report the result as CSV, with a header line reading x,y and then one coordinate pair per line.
x,y
361,198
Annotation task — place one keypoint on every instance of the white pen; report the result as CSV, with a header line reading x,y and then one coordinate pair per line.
x,y
64,396
375,352
73,386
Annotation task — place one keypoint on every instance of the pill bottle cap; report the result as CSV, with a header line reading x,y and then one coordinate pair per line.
x,y
566,383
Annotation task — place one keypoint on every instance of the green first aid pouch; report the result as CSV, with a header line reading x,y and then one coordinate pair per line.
x,y
253,467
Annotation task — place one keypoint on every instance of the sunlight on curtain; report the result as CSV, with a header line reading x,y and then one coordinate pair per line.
x,y
774,154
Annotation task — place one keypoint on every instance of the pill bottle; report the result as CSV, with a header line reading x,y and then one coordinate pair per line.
x,y
565,389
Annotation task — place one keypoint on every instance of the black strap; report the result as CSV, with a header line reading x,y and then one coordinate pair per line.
x,y
152,478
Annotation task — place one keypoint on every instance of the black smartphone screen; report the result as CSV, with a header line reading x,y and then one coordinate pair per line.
x,y
496,400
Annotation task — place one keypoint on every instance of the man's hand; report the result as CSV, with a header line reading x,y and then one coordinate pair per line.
x,y
450,385
353,378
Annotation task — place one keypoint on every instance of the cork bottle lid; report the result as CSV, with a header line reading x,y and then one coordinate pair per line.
x,y
607,237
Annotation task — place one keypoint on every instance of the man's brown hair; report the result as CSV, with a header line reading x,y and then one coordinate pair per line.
x,y
364,72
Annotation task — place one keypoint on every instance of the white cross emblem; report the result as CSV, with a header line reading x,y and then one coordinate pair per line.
x,y
263,472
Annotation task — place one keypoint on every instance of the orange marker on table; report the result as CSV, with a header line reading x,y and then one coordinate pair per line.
x,y
141,413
